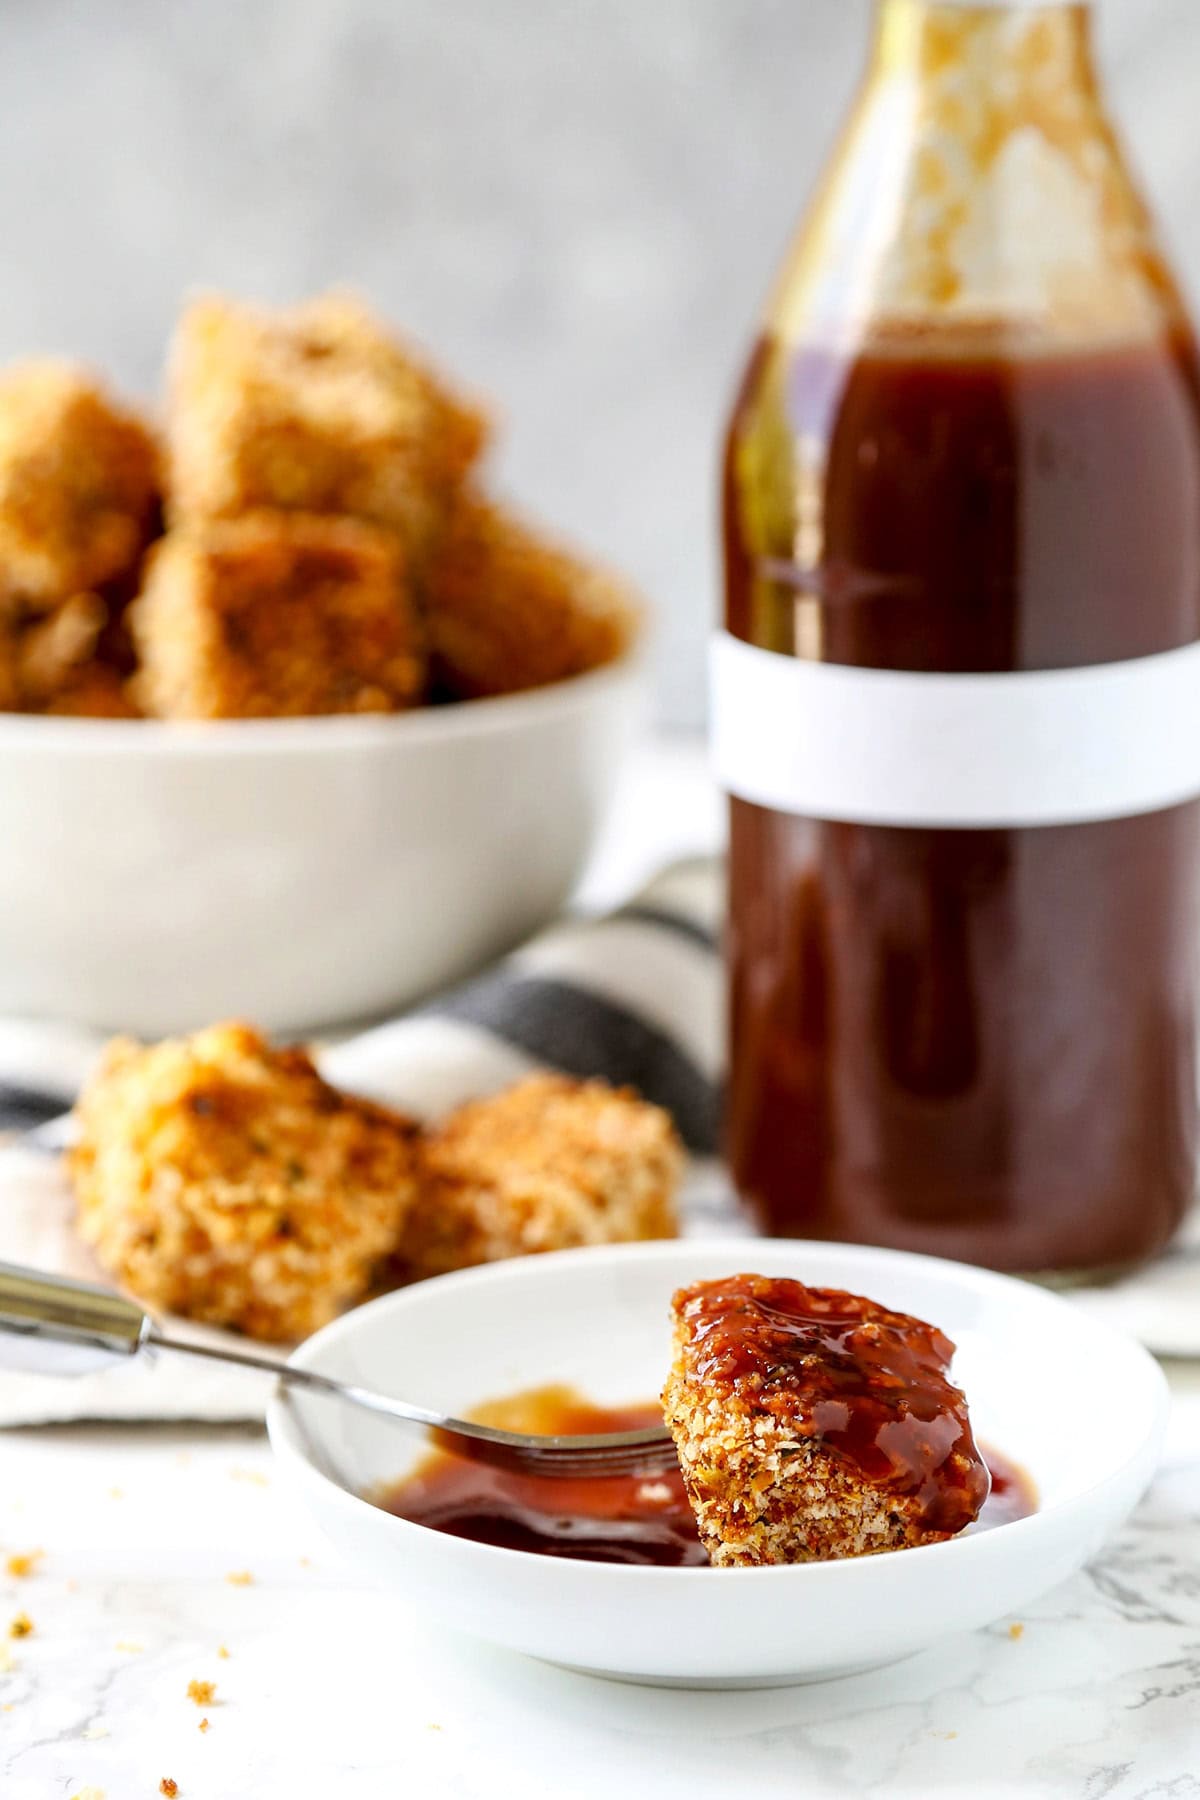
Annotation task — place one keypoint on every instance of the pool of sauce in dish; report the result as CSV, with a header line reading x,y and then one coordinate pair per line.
x,y
626,1519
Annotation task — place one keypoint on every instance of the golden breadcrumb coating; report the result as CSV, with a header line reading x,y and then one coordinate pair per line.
x,y
546,1165
275,615
813,1425
57,662
507,609
222,1179
78,483
316,408
94,691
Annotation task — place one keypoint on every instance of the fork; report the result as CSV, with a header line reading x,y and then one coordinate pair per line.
x,y
57,1326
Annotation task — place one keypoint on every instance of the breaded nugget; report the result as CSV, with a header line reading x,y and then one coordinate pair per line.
x,y
223,1179
275,614
95,691
314,408
55,647
78,483
813,1424
506,609
546,1165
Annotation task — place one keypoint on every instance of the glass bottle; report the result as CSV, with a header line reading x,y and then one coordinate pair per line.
x,y
963,895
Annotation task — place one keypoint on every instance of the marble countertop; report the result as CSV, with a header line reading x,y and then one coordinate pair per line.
x,y
169,1556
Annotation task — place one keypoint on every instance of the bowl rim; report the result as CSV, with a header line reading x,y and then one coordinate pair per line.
x,y
338,732
286,1443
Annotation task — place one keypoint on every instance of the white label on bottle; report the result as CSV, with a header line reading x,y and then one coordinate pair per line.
x,y
885,747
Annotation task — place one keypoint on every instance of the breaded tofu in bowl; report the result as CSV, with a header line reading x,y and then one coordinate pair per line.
x,y
297,718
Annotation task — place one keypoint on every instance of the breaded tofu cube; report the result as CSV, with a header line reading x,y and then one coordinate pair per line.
x,y
813,1424
94,691
55,647
275,614
546,1165
506,609
222,1179
78,483
313,408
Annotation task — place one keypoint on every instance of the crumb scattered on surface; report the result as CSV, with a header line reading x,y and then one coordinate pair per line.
x,y
8,1661
89,1793
129,1647
223,1652
1016,1631
255,1477
549,1164
203,1725
168,1786
116,1493
97,1731
201,1692
21,1627
221,1178
23,1563
240,1578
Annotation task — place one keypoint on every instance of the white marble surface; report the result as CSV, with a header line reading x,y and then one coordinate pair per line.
x,y
331,1691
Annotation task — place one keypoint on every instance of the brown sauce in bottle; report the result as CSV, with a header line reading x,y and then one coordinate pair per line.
x,y
625,1520
978,1043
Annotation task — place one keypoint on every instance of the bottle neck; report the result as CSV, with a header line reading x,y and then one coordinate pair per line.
x,y
1039,43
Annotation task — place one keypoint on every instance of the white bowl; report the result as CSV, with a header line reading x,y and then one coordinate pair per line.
x,y
298,872
1079,1407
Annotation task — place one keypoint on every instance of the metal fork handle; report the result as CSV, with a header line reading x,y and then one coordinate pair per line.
x,y
55,1326
650,1447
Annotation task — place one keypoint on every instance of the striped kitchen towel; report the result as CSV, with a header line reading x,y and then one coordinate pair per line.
x,y
634,996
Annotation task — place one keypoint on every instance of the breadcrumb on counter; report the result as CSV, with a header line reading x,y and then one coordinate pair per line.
x,y
549,1164
223,1179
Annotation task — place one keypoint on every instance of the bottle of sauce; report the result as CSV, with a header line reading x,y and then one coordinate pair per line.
x,y
957,696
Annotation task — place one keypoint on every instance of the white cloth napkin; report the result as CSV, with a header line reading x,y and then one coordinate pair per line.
x,y
633,996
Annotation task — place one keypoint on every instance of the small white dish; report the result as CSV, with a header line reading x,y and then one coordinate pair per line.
x,y
1079,1407
298,872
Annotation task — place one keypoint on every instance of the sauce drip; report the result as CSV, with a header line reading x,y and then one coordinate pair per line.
x,y
629,1520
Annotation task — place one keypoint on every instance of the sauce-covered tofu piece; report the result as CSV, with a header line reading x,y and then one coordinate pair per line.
x,y
813,1424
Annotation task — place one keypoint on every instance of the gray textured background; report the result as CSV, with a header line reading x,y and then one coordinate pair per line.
x,y
577,202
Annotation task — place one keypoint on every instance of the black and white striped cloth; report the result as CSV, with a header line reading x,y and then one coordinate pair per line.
x,y
633,996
